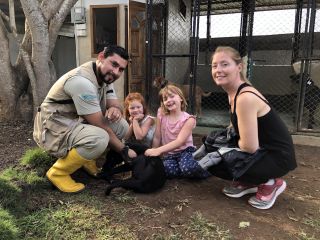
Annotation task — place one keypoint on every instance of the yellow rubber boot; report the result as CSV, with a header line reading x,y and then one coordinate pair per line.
x,y
59,173
91,168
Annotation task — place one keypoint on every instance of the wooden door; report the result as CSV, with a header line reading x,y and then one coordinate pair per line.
x,y
137,20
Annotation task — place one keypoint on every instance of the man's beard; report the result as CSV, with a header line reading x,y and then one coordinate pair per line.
x,y
107,75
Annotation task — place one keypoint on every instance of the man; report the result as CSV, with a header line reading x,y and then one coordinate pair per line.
x,y
81,116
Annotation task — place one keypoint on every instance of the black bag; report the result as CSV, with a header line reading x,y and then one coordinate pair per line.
x,y
237,162
221,138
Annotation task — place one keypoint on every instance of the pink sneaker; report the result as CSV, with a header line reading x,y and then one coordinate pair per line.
x,y
267,194
238,189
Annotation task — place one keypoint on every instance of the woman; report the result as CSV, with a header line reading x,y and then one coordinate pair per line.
x,y
258,126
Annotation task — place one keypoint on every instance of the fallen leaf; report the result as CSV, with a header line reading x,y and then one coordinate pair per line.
x,y
244,224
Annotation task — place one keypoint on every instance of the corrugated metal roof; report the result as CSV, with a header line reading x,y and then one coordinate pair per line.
x,y
230,6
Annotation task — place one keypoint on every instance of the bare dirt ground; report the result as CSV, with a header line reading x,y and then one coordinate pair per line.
x,y
295,215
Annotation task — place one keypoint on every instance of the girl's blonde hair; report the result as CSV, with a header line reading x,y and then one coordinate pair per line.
x,y
235,56
134,96
176,90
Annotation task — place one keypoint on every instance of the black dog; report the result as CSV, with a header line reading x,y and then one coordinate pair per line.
x,y
148,174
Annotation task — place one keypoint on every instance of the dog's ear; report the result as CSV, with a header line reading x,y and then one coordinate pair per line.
x,y
157,81
164,82
160,82
154,83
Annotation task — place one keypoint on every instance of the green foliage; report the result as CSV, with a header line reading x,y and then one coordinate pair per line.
x,y
8,228
37,159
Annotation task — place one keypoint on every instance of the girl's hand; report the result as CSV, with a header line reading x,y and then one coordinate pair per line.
x,y
130,119
139,117
152,152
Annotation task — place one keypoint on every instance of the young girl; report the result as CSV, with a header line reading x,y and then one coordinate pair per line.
x,y
173,136
142,125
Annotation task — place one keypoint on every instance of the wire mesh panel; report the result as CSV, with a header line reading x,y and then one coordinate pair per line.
x,y
306,65
264,32
170,44
278,40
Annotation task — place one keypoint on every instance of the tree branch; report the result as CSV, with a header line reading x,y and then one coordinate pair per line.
x,y
38,27
49,7
12,16
31,75
4,16
57,21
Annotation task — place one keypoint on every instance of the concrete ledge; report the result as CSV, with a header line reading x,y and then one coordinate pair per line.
x,y
306,140
297,139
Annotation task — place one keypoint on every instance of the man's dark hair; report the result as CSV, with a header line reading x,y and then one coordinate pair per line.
x,y
115,49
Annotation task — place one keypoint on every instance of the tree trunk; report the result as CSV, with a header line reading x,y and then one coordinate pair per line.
x,y
26,82
7,76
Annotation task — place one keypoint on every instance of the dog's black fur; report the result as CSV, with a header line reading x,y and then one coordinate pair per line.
x,y
148,174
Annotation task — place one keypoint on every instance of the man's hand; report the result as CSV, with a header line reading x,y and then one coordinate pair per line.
x,y
127,153
113,114
131,153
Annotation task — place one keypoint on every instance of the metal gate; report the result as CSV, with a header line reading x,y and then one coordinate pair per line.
x,y
279,41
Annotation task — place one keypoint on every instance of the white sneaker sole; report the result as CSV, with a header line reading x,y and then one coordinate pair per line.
x,y
240,194
277,193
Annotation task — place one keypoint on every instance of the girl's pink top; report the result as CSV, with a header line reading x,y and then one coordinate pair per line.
x,y
170,131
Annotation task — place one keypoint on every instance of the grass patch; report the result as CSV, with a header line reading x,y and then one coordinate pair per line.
x,y
170,237
123,198
203,229
71,221
9,195
315,223
8,228
305,236
116,232
22,175
143,210
37,159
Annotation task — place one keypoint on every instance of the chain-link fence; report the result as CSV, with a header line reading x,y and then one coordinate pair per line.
x,y
279,40
171,49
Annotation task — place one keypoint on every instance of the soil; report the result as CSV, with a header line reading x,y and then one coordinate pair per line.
x,y
295,215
